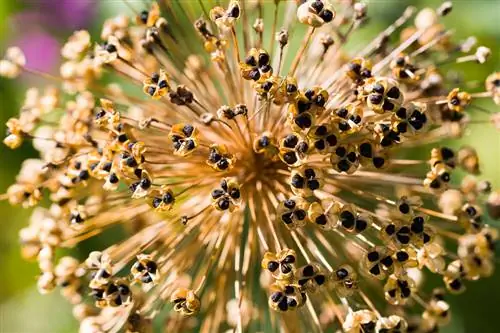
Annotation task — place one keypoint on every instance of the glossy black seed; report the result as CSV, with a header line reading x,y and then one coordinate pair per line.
x,y
342,113
445,177
163,84
435,184
291,88
113,179
217,193
223,164
340,151
155,77
84,175
223,204
151,90
168,198
321,220
289,259
393,93
190,145
402,127
290,141
347,219
235,193
344,126
342,273
300,214
235,12
290,157
378,88
471,211
272,266
320,144
388,106
287,218
145,183
455,101
376,99
321,130
317,6
308,271
309,173
320,279
401,113
250,60
263,59
144,16
373,256
266,68
365,150
320,101
283,305
405,292
390,229
290,204
418,225
456,284
303,106
303,121
375,270
156,202
378,162
402,256
313,184
264,142
352,157
404,208
267,86
343,165
302,147
98,115
276,296
291,302
110,48
447,153
254,74
361,225
426,239
355,67
309,94
326,15
332,140
387,261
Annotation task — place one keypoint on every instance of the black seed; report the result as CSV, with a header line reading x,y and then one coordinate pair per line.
x,y
283,305
326,15
471,211
145,183
156,202
340,151
361,225
223,204
355,67
264,142
343,165
151,90
392,293
373,256
426,238
267,86
402,256
393,93
388,106
376,99
456,284
131,162
321,220
254,74
235,12
313,185
84,175
303,121
302,147
401,113
110,48
404,208
250,60
347,219
342,113
289,259
155,77
387,261
344,126
342,273
332,140
447,153
266,68
290,141
272,266
290,204
300,214
365,150
285,269
317,6
107,166
287,218
418,225
390,229
235,193
455,101
378,162
352,157
321,130
378,88
217,193
144,16
291,88
188,130
289,290
435,184
406,292
290,157
445,177
291,302
308,271
275,297
303,106
223,164
320,279
190,145
113,179
320,144
375,270
263,59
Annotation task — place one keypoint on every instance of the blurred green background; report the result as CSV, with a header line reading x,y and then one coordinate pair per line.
x,y
31,24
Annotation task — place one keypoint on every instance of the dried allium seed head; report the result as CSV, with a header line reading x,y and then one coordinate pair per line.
x,y
242,160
